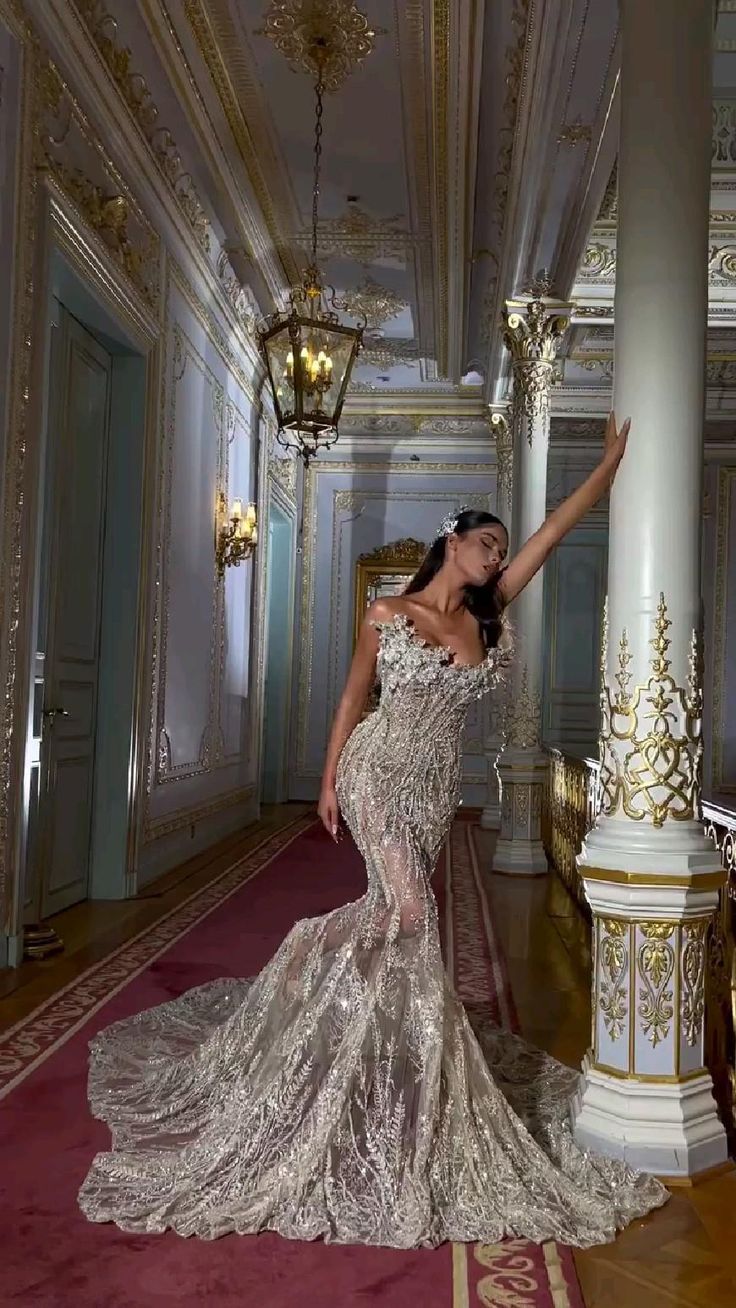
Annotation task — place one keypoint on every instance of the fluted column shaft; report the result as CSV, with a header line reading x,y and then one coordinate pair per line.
x,y
651,876
496,705
531,337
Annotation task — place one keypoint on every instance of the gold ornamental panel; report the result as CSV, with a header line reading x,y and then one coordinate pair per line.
x,y
651,735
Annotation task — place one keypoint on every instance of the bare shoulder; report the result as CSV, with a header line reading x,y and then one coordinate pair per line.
x,y
386,608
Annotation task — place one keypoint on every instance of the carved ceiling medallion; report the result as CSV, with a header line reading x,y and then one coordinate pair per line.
x,y
355,235
376,303
302,30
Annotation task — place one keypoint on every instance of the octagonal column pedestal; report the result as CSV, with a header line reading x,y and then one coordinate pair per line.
x,y
646,1096
650,874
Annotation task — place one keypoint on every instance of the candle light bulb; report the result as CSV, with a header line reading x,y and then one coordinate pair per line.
x,y
237,509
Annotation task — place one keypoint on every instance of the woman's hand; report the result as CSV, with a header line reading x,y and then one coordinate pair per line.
x,y
614,443
329,812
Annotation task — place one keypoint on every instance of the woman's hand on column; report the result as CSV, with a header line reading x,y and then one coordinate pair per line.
x,y
614,444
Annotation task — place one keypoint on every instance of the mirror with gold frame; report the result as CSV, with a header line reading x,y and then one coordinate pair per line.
x,y
385,571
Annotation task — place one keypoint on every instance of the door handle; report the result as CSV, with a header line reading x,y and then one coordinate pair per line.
x,y
52,713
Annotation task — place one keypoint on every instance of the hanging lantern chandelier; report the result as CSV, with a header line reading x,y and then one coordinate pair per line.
x,y
309,352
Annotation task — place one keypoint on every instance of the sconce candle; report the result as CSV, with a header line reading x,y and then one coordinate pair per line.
x,y
236,534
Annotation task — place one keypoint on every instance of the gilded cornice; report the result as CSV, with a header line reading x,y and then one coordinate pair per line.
x,y
414,64
136,95
514,78
64,139
237,87
458,46
440,46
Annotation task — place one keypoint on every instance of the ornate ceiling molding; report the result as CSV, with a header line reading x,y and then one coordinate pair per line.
x,y
415,69
376,303
387,351
135,92
457,40
356,235
446,402
228,60
297,27
514,80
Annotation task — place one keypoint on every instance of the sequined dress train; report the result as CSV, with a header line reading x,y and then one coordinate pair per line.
x,y
342,1093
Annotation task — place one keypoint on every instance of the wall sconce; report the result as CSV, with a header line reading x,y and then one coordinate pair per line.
x,y
237,534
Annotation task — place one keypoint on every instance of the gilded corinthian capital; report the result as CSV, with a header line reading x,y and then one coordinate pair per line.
x,y
531,340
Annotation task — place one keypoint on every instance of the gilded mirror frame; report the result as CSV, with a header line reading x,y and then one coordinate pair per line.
x,y
384,571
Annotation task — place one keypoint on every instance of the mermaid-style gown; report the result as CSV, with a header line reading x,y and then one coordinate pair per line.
x,y
342,1092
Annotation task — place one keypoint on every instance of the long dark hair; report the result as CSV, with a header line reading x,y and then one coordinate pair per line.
x,y
482,601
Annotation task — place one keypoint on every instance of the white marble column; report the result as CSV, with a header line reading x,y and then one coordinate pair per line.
x,y
496,704
650,875
531,335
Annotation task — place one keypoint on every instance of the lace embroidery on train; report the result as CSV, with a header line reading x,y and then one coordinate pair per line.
x,y
342,1092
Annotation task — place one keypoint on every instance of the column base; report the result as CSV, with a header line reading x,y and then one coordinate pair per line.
x,y
519,849
490,818
520,858
670,1129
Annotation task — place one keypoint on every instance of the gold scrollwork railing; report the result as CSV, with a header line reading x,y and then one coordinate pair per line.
x,y
720,1024
568,814
570,809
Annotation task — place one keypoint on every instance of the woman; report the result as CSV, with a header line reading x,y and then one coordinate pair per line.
x,y
342,1093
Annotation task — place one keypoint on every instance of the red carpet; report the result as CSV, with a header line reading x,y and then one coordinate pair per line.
x,y
53,1256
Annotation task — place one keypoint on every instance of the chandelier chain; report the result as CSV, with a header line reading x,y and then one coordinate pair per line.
x,y
319,108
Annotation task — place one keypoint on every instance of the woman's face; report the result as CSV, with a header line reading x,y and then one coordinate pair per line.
x,y
481,553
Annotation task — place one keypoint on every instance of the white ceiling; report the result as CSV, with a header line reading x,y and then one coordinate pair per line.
x,y
471,150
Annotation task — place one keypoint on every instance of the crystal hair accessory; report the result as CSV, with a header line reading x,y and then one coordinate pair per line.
x,y
450,521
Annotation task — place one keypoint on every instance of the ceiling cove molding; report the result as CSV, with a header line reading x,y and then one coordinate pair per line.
x,y
420,403
458,45
70,44
415,65
189,46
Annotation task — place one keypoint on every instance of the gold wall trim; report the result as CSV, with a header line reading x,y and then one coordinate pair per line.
x,y
213,330
164,771
90,258
12,578
215,760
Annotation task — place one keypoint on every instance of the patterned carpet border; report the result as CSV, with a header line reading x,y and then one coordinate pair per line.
x,y
516,1273
35,1037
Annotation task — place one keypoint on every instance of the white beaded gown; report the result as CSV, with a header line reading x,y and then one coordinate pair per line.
x,y
342,1093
